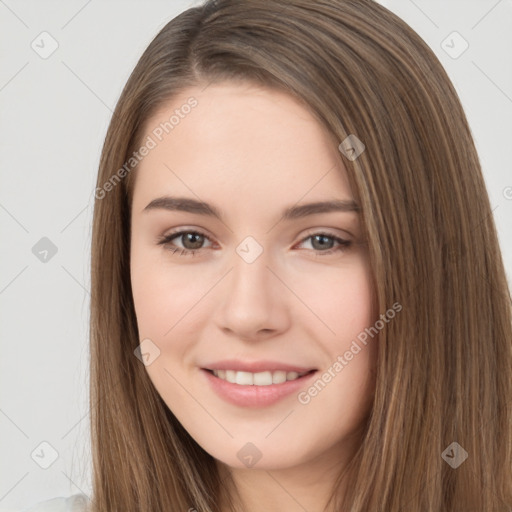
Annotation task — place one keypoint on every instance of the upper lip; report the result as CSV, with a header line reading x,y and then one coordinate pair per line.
x,y
256,366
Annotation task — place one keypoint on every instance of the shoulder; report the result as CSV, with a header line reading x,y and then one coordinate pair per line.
x,y
75,503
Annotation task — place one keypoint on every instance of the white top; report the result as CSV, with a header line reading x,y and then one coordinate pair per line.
x,y
75,503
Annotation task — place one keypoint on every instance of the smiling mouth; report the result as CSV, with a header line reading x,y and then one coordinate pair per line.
x,y
265,378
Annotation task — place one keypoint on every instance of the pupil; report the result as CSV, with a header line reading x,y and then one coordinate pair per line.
x,y
196,240
322,239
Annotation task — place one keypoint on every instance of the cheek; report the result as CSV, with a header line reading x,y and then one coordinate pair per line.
x,y
162,293
150,300
164,310
344,304
356,315
340,299
170,310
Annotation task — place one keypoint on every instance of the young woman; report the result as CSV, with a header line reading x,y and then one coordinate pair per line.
x,y
298,300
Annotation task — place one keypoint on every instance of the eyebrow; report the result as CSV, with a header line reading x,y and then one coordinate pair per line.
x,y
186,204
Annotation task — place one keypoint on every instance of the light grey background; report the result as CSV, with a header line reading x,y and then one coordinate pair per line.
x,y
54,115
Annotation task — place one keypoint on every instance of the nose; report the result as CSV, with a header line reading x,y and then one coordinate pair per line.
x,y
254,303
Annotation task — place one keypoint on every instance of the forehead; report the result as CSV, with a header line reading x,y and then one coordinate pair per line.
x,y
231,141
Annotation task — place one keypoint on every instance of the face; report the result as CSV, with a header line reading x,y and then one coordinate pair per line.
x,y
253,286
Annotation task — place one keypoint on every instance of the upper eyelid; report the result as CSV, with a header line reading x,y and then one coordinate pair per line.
x,y
181,232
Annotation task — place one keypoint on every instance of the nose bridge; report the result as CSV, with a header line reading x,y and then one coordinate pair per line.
x,y
252,300
249,280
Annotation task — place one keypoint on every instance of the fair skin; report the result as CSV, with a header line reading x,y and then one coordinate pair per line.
x,y
252,153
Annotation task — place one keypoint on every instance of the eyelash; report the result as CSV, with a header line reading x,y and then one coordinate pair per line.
x,y
166,240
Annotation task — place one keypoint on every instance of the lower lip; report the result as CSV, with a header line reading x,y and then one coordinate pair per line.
x,y
255,396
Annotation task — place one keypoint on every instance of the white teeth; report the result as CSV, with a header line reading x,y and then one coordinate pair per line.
x,y
278,377
244,378
256,379
262,379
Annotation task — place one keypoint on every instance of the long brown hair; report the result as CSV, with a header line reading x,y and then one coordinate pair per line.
x,y
445,363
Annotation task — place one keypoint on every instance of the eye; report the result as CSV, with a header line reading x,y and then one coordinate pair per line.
x,y
191,241
325,243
